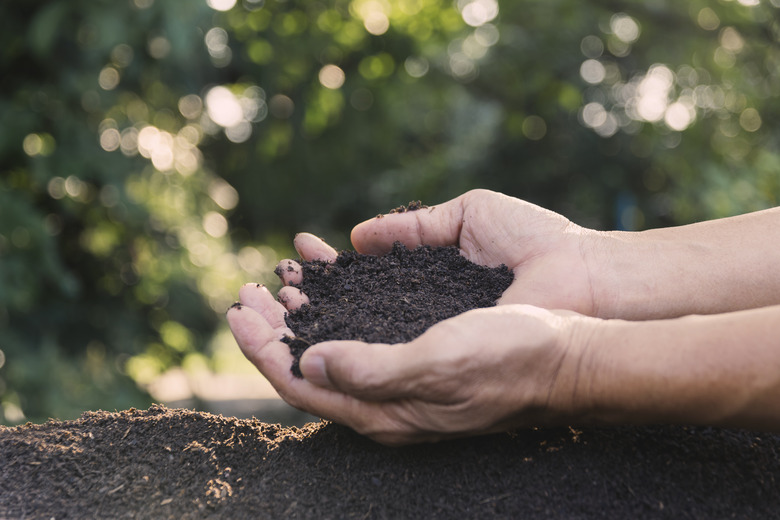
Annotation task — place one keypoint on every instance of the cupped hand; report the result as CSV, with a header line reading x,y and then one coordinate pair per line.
x,y
483,371
547,252
478,372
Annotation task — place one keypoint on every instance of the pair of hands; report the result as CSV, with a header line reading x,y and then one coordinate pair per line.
x,y
482,371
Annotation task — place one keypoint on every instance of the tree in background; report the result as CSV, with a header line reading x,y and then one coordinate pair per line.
x,y
155,155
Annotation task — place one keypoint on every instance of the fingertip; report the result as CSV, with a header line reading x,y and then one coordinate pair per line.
x,y
311,247
412,228
292,298
369,239
314,370
289,272
254,295
248,326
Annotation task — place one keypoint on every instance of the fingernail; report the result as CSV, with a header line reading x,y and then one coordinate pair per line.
x,y
314,371
236,305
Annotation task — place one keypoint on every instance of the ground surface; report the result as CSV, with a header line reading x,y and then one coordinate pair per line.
x,y
163,463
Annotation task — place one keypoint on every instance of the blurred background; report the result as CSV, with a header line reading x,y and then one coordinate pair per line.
x,y
157,154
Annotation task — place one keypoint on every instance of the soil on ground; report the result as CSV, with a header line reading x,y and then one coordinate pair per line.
x,y
180,464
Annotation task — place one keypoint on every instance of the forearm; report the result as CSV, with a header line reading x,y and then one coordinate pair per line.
x,y
717,370
705,268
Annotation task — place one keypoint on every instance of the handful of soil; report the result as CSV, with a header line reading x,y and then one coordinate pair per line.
x,y
391,298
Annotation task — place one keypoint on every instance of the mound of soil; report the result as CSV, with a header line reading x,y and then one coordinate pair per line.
x,y
163,463
391,298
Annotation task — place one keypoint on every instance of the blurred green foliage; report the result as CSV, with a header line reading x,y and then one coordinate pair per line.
x,y
154,155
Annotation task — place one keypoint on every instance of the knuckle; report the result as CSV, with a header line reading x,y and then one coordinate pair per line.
x,y
362,379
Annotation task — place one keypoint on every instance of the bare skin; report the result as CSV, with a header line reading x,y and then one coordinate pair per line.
x,y
549,367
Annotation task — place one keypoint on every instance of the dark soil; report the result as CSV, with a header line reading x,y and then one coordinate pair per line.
x,y
412,206
163,463
391,298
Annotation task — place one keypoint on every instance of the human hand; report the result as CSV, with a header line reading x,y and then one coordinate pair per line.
x,y
547,253
472,222
483,371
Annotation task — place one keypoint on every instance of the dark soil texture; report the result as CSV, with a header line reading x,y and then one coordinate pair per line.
x,y
391,298
178,464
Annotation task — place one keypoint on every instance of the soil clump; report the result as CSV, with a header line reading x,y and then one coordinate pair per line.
x,y
391,298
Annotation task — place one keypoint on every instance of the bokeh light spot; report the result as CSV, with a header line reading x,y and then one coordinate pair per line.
x,y
592,71
223,108
534,128
416,67
592,46
653,93
240,132
191,106
56,188
679,116
376,23
478,12
122,55
216,41
281,106
221,5
707,19
38,144
215,224
223,194
750,120
108,79
624,27
731,40
593,114
110,139
331,77
159,47
32,145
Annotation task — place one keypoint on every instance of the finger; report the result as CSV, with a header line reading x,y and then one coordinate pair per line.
x,y
311,247
259,298
253,334
372,372
436,226
260,344
292,298
289,271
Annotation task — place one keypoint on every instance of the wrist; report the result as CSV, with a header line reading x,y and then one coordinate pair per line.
x,y
614,382
645,275
570,398
714,370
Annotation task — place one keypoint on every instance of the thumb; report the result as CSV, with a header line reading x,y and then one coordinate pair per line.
x,y
366,371
435,226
